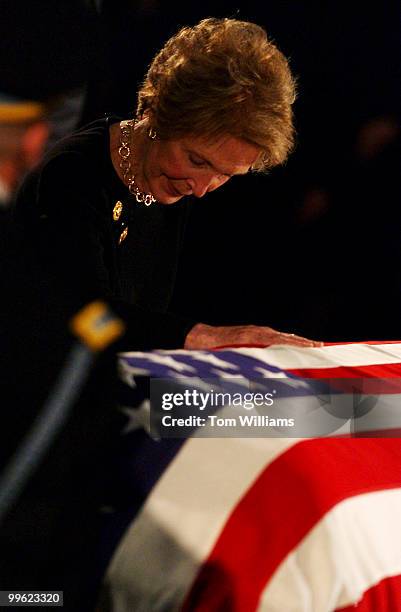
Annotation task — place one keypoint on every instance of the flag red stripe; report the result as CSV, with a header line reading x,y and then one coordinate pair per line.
x,y
385,370
382,597
255,345
373,342
290,496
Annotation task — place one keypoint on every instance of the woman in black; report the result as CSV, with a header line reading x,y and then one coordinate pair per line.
x,y
215,103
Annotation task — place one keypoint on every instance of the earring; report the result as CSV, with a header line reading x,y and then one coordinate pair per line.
x,y
152,133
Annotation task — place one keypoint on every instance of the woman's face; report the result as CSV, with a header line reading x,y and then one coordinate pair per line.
x,y
172,169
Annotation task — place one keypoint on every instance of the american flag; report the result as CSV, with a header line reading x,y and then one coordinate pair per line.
x,y
274,524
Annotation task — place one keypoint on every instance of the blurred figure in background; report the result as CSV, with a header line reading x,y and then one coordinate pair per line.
x,y
24,131
49,50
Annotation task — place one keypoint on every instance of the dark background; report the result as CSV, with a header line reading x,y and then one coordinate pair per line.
x,y
311,248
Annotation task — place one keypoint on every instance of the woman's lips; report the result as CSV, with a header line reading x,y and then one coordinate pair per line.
x,y
173,191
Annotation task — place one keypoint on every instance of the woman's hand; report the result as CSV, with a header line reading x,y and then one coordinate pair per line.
x,y
203,336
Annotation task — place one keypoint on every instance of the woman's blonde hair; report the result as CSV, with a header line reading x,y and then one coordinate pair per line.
x,y
222,76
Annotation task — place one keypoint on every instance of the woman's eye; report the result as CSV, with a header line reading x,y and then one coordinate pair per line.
x,y
196,161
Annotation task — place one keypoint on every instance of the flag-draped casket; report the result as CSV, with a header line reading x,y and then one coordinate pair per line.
x,y
303,523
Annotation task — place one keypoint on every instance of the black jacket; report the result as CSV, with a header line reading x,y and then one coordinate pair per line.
x,y
66,241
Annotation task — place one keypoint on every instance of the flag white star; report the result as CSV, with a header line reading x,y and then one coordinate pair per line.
x,y
269,374
126,373
213,360
138,418
169,362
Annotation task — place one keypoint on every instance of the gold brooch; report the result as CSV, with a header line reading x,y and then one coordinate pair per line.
x,y
117,210
123,235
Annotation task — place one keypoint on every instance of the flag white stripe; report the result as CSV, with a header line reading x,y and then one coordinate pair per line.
x,y
352,548
349,355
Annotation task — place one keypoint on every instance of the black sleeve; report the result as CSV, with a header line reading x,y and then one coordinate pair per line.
x,y
67,238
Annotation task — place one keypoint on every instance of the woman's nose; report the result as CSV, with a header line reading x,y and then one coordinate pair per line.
x,y
201,185
200,190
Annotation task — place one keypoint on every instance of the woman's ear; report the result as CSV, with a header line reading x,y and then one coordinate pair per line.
x,y
149,117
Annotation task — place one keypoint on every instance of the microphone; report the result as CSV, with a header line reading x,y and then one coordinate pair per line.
x,y
96,327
